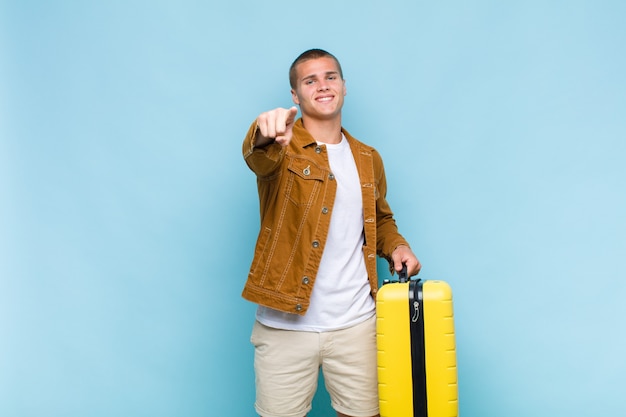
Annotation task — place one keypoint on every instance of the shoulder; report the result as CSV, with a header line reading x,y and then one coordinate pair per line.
x,y
363,147
356,142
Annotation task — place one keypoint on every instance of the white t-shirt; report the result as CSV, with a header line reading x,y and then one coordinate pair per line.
x,y
341,293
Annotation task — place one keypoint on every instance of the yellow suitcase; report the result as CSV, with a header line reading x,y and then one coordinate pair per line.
x,y
417,374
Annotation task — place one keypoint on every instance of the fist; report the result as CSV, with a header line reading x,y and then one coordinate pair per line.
x,y
276,125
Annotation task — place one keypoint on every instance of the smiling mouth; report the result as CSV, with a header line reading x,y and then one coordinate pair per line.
x,y
324,99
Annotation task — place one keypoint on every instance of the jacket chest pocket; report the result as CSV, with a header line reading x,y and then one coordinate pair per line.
x,y
304,181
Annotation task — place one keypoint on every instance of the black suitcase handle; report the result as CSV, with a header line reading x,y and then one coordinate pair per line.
x,y
403,275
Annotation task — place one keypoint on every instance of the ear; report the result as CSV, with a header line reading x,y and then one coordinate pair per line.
x,y
294,97
345,90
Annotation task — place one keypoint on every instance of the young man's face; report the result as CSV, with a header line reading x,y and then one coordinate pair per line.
x,y
319,88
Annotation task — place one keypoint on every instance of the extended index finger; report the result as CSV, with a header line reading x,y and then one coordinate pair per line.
x,y
291,115
286,120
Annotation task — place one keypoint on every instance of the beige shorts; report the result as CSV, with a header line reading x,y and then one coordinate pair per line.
x,y
287,364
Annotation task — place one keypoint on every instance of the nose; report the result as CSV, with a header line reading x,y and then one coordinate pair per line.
x,y
323,87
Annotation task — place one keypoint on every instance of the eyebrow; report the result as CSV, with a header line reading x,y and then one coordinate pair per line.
x,y
315,75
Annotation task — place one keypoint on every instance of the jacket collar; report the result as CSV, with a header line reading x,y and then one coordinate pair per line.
x,y
302,138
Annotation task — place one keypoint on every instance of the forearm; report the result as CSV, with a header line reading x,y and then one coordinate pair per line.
x,y
262,156
388,238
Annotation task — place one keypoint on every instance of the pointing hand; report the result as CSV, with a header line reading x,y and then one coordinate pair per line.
x,y
276,125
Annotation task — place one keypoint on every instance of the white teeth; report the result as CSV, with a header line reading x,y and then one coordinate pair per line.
x,y
325,99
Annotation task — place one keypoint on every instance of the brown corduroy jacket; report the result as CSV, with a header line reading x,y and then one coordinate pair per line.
x,y
296,195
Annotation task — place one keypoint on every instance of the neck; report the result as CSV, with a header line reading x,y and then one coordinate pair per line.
x,y
325,131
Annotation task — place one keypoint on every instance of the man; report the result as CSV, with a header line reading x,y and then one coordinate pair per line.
x,y
324,217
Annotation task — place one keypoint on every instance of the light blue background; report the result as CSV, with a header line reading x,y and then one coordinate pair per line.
x,y
128,217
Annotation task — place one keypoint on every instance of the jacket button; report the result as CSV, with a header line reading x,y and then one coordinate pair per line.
x,y
318,149
316,244
298,307
331,176
324,210
305,280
